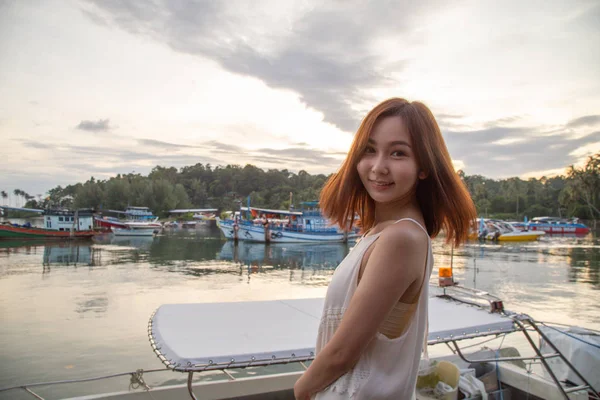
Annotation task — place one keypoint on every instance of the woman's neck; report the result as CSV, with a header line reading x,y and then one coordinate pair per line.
x,y
393,211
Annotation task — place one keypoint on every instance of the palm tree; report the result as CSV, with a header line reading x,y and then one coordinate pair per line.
x,y
4,196
17,192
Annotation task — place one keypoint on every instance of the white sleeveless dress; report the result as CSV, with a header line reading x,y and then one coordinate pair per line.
x,y
388,368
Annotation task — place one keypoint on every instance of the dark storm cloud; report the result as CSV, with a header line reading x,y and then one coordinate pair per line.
x,y
588,120
327,59
101,125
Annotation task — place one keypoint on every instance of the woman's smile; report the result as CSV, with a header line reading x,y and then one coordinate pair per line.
x,y
381,185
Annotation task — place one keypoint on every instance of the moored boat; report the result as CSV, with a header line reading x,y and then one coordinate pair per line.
x,y
8,231
283,226
554,225
501,231
136,218
57,224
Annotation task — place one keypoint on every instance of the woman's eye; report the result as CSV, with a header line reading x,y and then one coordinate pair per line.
x,y
398,153
369,150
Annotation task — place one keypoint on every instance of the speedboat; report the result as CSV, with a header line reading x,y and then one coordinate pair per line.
x,y
554,225
501,231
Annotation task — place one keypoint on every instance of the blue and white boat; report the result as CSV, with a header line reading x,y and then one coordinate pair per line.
x,y
283,226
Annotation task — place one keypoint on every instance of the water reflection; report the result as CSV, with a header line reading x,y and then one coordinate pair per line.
x,y
585,264
87,317
285,255
63,253
134,242
93,302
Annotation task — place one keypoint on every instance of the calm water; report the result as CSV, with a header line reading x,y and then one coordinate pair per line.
x,y
73,310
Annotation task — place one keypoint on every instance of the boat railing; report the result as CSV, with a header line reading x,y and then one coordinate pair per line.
x,y
136,381
526,325
311,213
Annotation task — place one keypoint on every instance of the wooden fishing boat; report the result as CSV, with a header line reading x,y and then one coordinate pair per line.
x,y
8,231
57,224
283,226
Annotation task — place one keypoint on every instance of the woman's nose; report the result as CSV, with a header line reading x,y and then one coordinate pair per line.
x,y
379,166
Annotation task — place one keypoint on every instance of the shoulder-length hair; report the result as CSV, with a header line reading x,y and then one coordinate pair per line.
x,y
442,196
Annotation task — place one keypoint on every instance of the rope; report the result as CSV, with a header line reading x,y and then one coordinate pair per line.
x,y
137,380
80,380
572,336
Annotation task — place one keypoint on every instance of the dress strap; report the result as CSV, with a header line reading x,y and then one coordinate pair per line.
x,y
410,219
365,234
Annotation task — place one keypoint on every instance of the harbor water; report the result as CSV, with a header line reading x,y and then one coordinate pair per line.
x,y
80,309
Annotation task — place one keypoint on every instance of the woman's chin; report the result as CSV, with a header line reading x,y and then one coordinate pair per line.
x,y
382,197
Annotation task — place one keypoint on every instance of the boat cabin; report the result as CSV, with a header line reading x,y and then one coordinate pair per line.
x,y
139,214
313,219
66,220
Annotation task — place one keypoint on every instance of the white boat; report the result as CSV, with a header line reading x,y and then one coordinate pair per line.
x,y
254,337
136,218
501,231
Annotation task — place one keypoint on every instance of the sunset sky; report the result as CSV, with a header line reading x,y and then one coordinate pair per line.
x,y
96,88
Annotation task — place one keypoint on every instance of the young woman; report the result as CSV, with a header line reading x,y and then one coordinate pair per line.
x,y
398,177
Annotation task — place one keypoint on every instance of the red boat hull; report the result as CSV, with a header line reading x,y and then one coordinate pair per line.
x,y
560,229
12,232
106,223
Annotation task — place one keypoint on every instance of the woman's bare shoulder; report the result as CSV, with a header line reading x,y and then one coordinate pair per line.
x,y
404,232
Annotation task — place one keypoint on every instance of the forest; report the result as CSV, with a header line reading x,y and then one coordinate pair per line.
x,y
574,194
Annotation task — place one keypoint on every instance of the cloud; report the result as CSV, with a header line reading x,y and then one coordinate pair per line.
x,y
162,145
324,53
315,161
503,121
588,120
219,147
504,152
35,145
448,116
101,125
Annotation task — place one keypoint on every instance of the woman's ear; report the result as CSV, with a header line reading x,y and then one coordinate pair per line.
x,y
422,175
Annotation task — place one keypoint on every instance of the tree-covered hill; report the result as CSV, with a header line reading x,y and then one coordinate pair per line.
x,y
576,194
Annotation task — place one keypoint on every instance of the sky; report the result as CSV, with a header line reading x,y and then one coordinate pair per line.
x,y
100,87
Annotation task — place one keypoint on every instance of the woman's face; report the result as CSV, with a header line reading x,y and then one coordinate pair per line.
x,y
388,168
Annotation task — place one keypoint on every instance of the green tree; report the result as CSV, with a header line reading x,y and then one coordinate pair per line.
x,y
583,188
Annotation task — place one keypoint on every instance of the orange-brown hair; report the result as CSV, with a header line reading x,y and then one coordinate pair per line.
x,y
442,196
